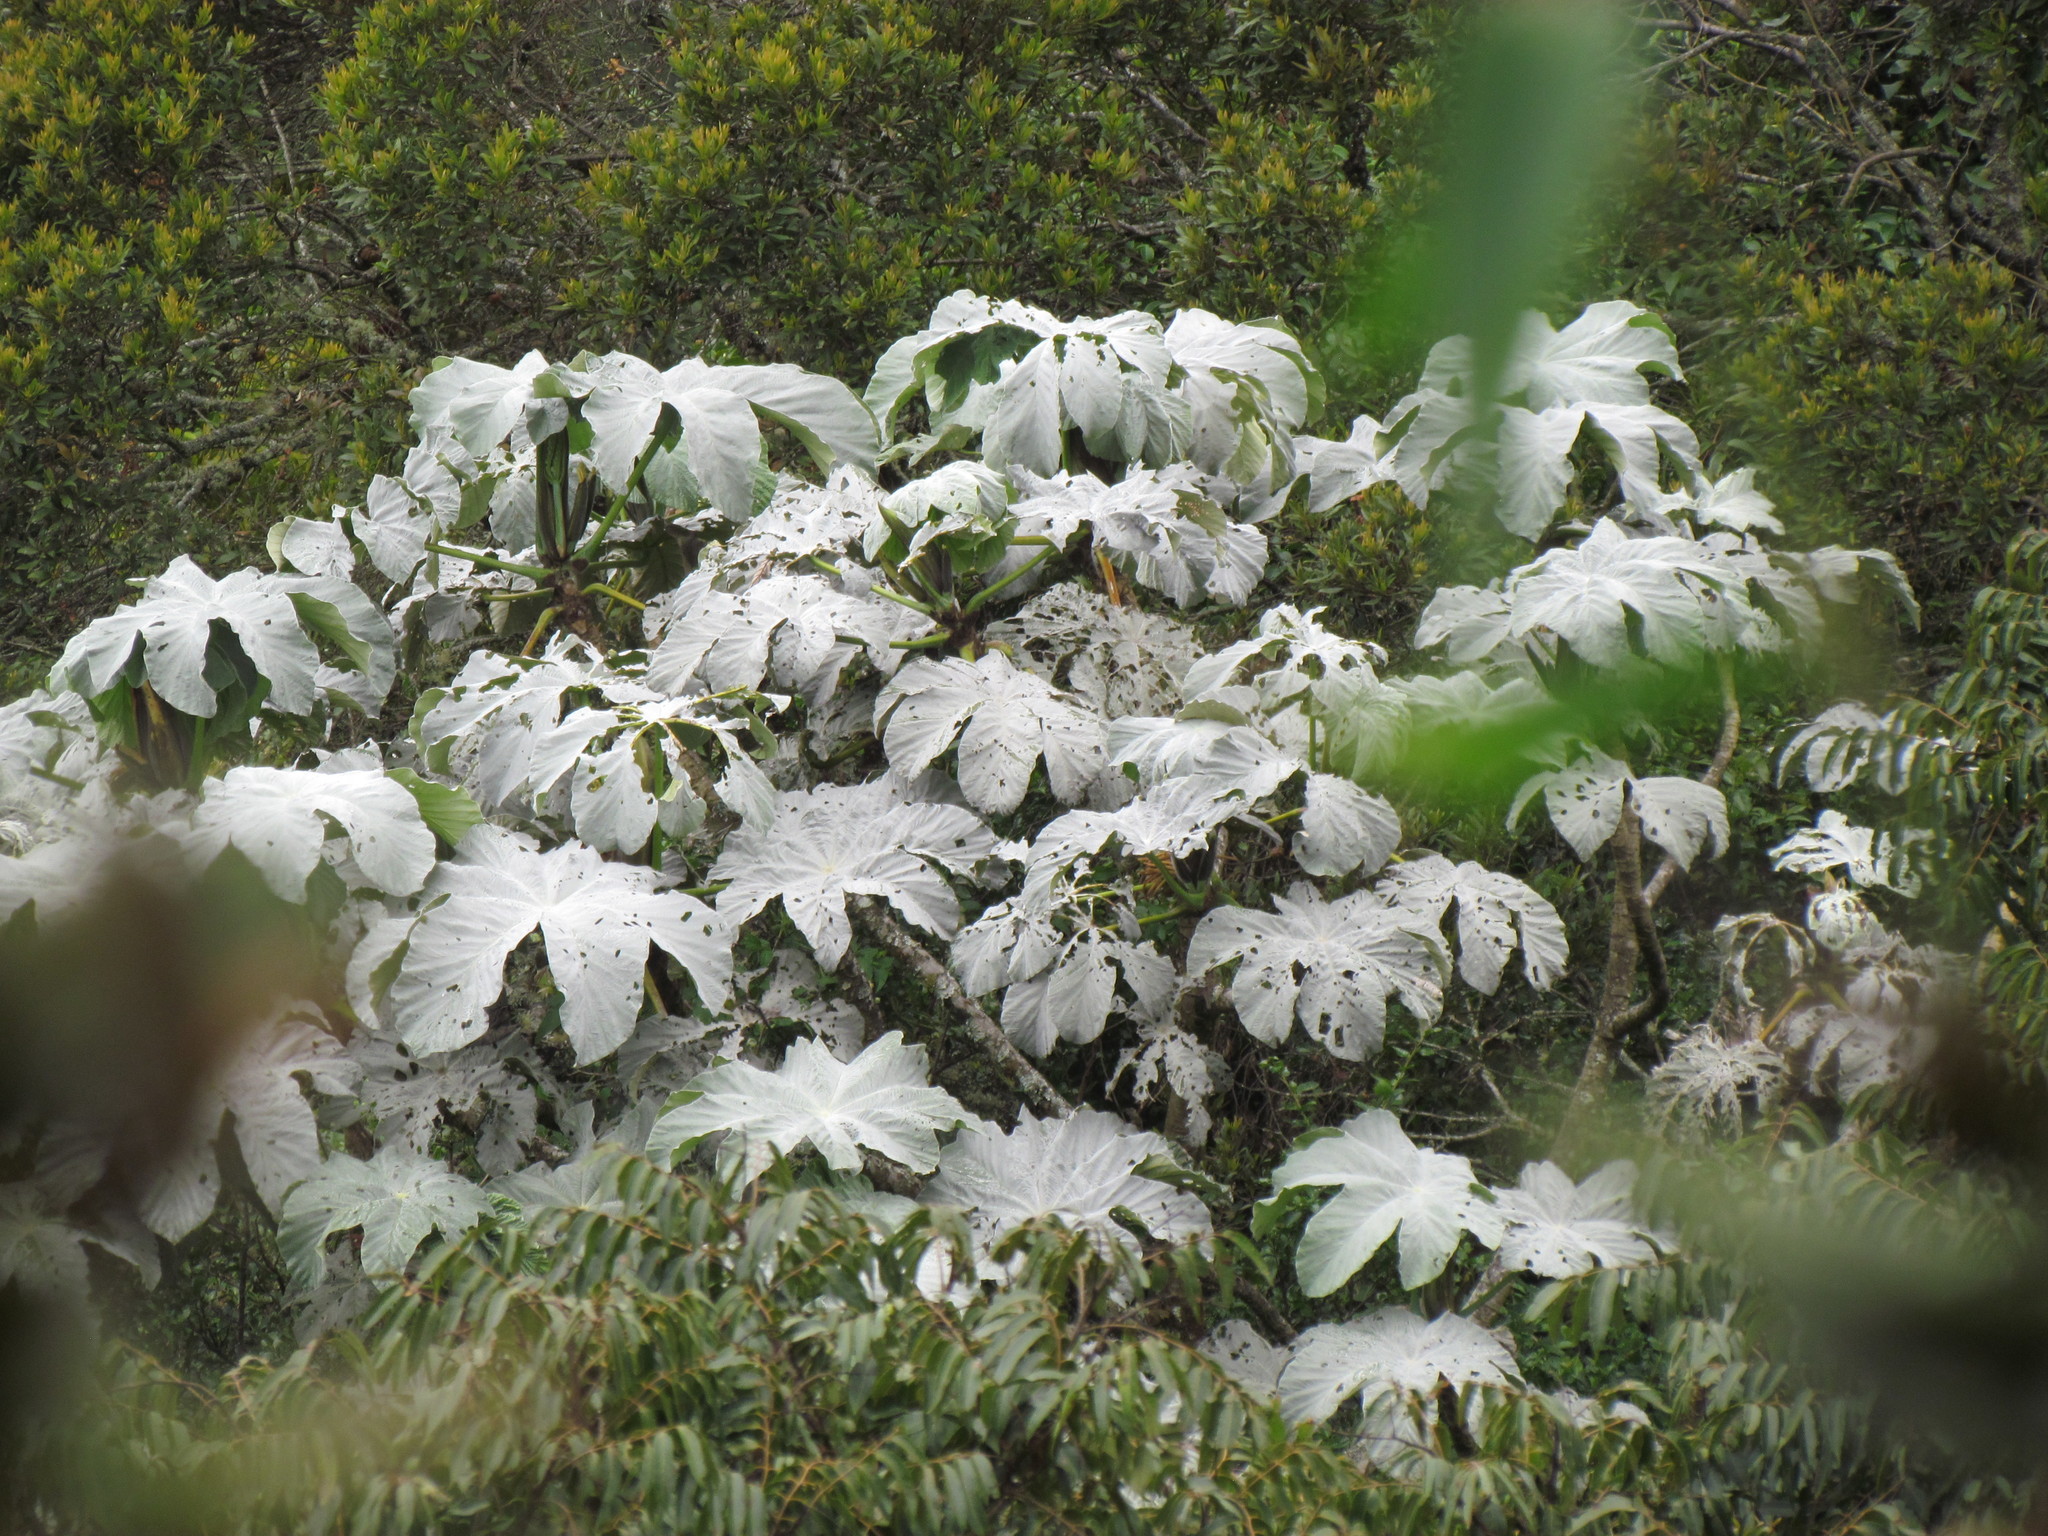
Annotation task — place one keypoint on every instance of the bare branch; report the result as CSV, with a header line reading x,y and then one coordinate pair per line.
x,y
881,926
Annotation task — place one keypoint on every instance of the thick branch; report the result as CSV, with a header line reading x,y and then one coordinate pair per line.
x,y
881,926
1269,1312
1628,926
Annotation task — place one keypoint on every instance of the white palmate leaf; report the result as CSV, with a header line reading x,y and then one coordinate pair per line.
x,y
1163,528
816,409
1061,985
1338,471
1168,1058
1344,828
1838,745
478,404
1584,799
912,364
314,547
56,778
615,812
1532,465
1637,439
395,525
1391,1350
1900,983
1707,1080
716,408
1240,1353
1332,965
1025,376
1866,856
274,1128
1475,625
172,625
398,1200
1248,387
881,1100
827,844
1588,375
62,873
797,632
1072,998
1599,358
1005,720
279,819
597,919
665,1052
1466,701
1121,659
1176,818
500,724
1160,525
1076,1170
41,1251
1307,658
1854,575
1557,1228
796,990
410,1096
1733,501
1210,744
1385,1185
1612,596
1201,342
1496,913
952,498
1843,1051
1103,377
804,519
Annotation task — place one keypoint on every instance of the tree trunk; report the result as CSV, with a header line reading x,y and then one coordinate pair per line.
x,y
1629,936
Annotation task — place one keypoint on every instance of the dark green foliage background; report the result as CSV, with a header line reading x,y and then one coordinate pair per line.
x,y
230,235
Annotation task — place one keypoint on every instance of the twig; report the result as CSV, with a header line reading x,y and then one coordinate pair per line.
x,y
883,928
1868,161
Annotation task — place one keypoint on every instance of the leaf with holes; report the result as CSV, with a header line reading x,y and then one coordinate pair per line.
x,y
827,844
398,1200
1005,720
1496,913
597,919
1330,964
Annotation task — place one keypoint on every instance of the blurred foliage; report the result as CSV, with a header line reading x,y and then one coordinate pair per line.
x,y
664,1355
1912,410
1842,209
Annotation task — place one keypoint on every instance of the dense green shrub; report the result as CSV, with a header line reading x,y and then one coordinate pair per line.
x,y
665,1355
1911,409
118,258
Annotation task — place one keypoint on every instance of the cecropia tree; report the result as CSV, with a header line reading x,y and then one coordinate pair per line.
x,y
995,706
